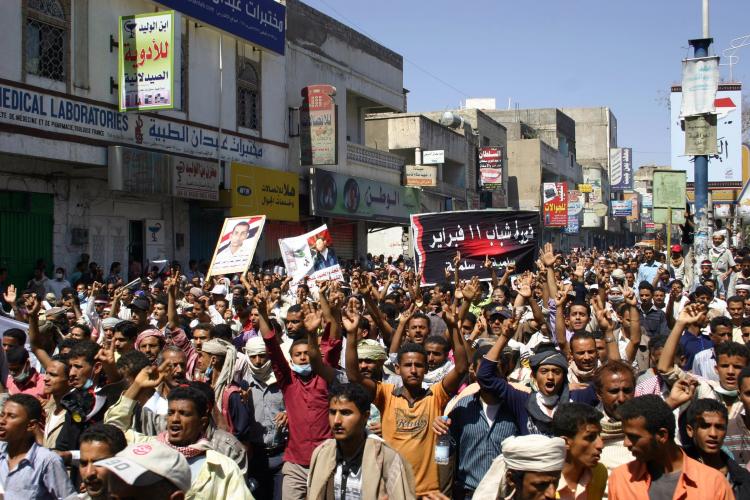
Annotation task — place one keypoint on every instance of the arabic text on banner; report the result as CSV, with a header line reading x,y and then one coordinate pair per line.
x,y
555,204
146,61
236,246
506,237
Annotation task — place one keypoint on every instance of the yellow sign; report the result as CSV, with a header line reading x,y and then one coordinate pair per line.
x,y
585,188
262,191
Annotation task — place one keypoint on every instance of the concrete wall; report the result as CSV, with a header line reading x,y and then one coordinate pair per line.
x,y
596,133
525,174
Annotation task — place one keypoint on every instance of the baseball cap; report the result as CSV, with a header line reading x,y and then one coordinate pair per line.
x,y
677,248
219,290
499,311
148,463
54,311
139,303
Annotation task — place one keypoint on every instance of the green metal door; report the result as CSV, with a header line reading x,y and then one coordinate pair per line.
x,y
26,227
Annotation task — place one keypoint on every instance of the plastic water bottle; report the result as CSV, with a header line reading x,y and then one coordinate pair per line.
x,y
443,447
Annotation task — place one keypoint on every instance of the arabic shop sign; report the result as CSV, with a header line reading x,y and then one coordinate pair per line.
x,y
555,204
420,175
620,169
257,190
261,22
146,172
39,111
336,195
318,145
146,61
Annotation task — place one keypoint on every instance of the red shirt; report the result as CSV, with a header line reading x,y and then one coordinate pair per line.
x,y
34,386
306,402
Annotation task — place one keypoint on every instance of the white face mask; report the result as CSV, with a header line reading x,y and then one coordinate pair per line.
x,y
59,276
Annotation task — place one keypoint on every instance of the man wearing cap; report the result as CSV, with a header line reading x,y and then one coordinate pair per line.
x,y
707,273
529,468
533,411
214,475
741,280
147,470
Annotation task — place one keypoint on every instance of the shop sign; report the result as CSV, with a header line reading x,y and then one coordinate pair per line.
x,y
434,157
668,190
37,110
261,22
146,61
555,204
620,168
420,175
318,140
195,179
585,188
622,208
257,190
632,197
338,195
490,168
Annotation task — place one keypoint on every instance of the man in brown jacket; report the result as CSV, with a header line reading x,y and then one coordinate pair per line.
x,y
337,463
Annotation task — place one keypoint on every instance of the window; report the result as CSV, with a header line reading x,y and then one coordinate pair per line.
x,y
46,35
248,94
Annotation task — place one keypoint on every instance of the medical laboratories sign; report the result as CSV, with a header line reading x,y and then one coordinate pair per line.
x,y
33,111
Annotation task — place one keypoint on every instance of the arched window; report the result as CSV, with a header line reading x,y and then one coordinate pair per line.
x,y
248,94
46,38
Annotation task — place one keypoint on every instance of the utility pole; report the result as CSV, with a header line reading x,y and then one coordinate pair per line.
x,y
700,49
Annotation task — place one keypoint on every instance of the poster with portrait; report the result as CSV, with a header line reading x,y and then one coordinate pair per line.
x,y
310,257
236,246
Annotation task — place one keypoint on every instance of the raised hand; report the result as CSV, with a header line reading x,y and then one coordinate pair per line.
x,y
350,319
548,255
487,262
457,259
691,314
312,319
10,295
629,294
682,391
525,290
471,289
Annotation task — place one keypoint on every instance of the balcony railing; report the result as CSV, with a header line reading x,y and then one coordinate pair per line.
x,y
376,157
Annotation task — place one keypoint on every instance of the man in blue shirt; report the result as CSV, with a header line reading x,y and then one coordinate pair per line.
x,y
648,269
28,470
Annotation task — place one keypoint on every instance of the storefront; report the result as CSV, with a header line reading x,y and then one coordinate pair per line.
x,y
351,205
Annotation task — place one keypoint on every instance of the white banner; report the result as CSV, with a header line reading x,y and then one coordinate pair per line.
x,y
310,257
700,81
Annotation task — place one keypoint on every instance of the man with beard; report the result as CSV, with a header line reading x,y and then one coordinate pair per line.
x,y
150,342
707,428
98,442
214,475
268,431
529,469
721,258
584,358
356,464
661,470
370,357
579,425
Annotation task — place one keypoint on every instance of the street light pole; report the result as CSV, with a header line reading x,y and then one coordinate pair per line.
x,y
700,49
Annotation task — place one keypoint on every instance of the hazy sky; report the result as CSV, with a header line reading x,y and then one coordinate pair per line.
x,y
624,54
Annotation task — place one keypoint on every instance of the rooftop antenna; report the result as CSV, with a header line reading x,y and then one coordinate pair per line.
x,y
730,54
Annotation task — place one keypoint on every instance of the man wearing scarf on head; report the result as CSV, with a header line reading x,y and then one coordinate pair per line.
x,y
372,356
721,258
268,426
217,359
533,411
150,342
529,467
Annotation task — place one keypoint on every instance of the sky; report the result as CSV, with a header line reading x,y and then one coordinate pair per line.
x,y
623,54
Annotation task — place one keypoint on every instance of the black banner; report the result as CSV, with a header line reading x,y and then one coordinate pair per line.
x,y
506,237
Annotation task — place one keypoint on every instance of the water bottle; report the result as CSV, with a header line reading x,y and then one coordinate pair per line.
x,y
443,447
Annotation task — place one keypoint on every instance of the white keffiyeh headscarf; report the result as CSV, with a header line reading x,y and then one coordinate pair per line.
x,y
221,347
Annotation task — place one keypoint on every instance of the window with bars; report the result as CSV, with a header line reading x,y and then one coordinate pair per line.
x,y
46,39
248,94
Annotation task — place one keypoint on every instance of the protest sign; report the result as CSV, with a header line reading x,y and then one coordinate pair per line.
x,y
503,237
236,246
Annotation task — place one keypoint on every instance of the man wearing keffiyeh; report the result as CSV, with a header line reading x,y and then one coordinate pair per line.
x,y
214,475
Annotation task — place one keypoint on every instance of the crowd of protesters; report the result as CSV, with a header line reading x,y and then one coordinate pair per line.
x,y
618,374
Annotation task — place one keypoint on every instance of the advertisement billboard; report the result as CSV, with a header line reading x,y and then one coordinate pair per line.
x,y
726,164
490,168
620,169
257,190
318,141
555,196
146,61
338,195
622,208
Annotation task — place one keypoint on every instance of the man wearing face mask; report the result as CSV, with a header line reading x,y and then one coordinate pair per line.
x,y
268,427
57,284
22,378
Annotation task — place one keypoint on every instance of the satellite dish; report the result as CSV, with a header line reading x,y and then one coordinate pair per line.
x,y
600,209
